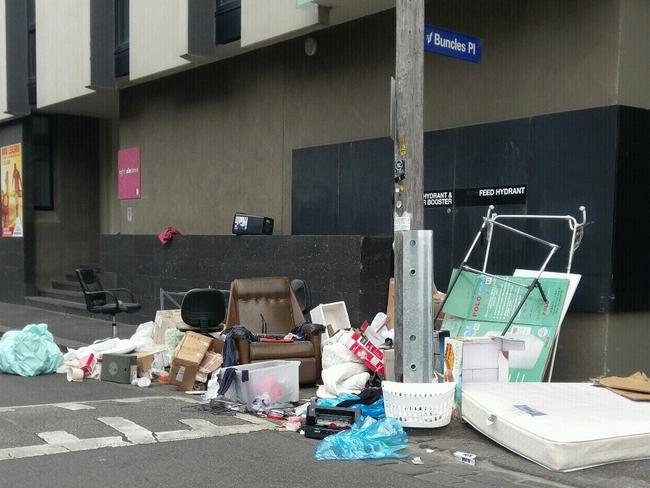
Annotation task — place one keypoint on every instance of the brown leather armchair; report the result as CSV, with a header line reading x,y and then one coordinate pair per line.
x,y
272,298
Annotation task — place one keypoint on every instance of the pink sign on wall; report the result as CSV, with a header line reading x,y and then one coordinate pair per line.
x,y
128,173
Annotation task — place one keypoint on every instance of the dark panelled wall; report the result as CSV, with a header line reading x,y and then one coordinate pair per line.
x,y
12,250
596,157
630,255
354,269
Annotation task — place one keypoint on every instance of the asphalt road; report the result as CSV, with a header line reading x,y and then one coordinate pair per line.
x,y
94,434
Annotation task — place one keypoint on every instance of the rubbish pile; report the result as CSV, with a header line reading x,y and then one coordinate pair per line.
x,y
494,340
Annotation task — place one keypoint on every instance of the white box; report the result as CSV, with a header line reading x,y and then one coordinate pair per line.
x,y
272,381
334,314
477,360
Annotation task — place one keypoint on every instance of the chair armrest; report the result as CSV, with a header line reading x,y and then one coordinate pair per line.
x,y
106,293
123,290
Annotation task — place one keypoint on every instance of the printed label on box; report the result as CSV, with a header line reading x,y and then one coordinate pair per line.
x,y
181,374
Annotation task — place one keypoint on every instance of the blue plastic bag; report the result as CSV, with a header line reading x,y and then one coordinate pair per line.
x,y
367,439
375,410
29,352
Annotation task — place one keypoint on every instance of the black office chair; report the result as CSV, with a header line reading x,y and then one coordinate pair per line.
x,y
203,310
303,294
105,301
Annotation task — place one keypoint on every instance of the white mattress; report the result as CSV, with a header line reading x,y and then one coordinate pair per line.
x,y
581,426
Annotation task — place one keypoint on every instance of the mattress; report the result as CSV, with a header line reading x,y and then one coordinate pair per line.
x,y
561,426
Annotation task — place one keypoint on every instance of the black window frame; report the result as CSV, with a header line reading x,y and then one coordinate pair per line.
x,y
50,160
122,38
227,21
31,51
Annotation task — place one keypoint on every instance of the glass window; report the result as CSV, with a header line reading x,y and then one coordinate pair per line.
x,y
227,21
41,163
31,53
121,37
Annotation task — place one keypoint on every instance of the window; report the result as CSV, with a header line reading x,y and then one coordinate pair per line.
x,y
31,53
121,37
41,163
228,21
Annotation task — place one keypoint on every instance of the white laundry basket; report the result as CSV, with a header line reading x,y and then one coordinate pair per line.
x,y
425,405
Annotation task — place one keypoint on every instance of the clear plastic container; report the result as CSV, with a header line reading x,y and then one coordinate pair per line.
x,y
266,384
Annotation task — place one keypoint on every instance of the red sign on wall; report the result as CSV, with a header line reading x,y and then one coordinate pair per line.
x,y
128,173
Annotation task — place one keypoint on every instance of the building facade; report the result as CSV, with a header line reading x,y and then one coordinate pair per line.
x,y
282,109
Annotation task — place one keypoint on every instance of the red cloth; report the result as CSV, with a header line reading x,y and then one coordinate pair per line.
x,y
166,235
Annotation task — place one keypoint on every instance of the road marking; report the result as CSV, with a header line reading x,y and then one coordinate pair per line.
x,y
73,443
31,451
60,441
133,432
201,429
74,406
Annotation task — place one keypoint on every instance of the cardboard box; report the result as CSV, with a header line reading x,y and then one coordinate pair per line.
x,y
145,360
334,316
371,335
165,319
476,360
185,366
369,355
389,364
390,304
193,347
438,298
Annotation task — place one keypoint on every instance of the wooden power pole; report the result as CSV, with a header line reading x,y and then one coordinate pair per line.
x,y
413,250
409,98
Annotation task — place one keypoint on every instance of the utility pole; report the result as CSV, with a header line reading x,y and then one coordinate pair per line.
x,y
413,246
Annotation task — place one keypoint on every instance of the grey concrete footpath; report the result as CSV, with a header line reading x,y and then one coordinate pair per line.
x,y
496,466
69,330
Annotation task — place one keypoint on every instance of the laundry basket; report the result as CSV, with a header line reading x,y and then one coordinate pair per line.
x,y
425,405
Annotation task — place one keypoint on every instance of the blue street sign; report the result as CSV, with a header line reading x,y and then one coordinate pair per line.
x,y
452,44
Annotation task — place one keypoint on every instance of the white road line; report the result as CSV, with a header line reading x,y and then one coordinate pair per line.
x,y
30,451
73,443
200,429
58,437
133,432
74,406
108,400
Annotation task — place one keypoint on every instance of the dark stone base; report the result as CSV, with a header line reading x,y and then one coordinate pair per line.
x,y
354,269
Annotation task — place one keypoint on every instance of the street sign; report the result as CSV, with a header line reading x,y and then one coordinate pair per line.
x,y
452,44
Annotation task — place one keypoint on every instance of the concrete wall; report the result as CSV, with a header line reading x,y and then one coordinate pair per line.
x,y
12,250
62,50
220,138
157,36
108,134
68,236
634,61
594,345
263,20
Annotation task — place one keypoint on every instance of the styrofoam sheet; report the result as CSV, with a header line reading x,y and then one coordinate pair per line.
x,y
561,426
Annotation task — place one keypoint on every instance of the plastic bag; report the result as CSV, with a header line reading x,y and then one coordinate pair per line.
x,y
375,410
367,439
29,352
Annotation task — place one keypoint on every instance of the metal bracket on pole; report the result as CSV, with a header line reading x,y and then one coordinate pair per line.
x,y
414,338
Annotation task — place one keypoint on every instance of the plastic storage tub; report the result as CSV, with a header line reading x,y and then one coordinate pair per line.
x,y
267,384
424,405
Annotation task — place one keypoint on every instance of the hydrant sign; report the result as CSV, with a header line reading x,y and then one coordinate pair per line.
x,y
452,44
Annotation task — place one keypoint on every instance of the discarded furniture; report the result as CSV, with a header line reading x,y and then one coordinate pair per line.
x,y
269,306
105,301
202,311
302,292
